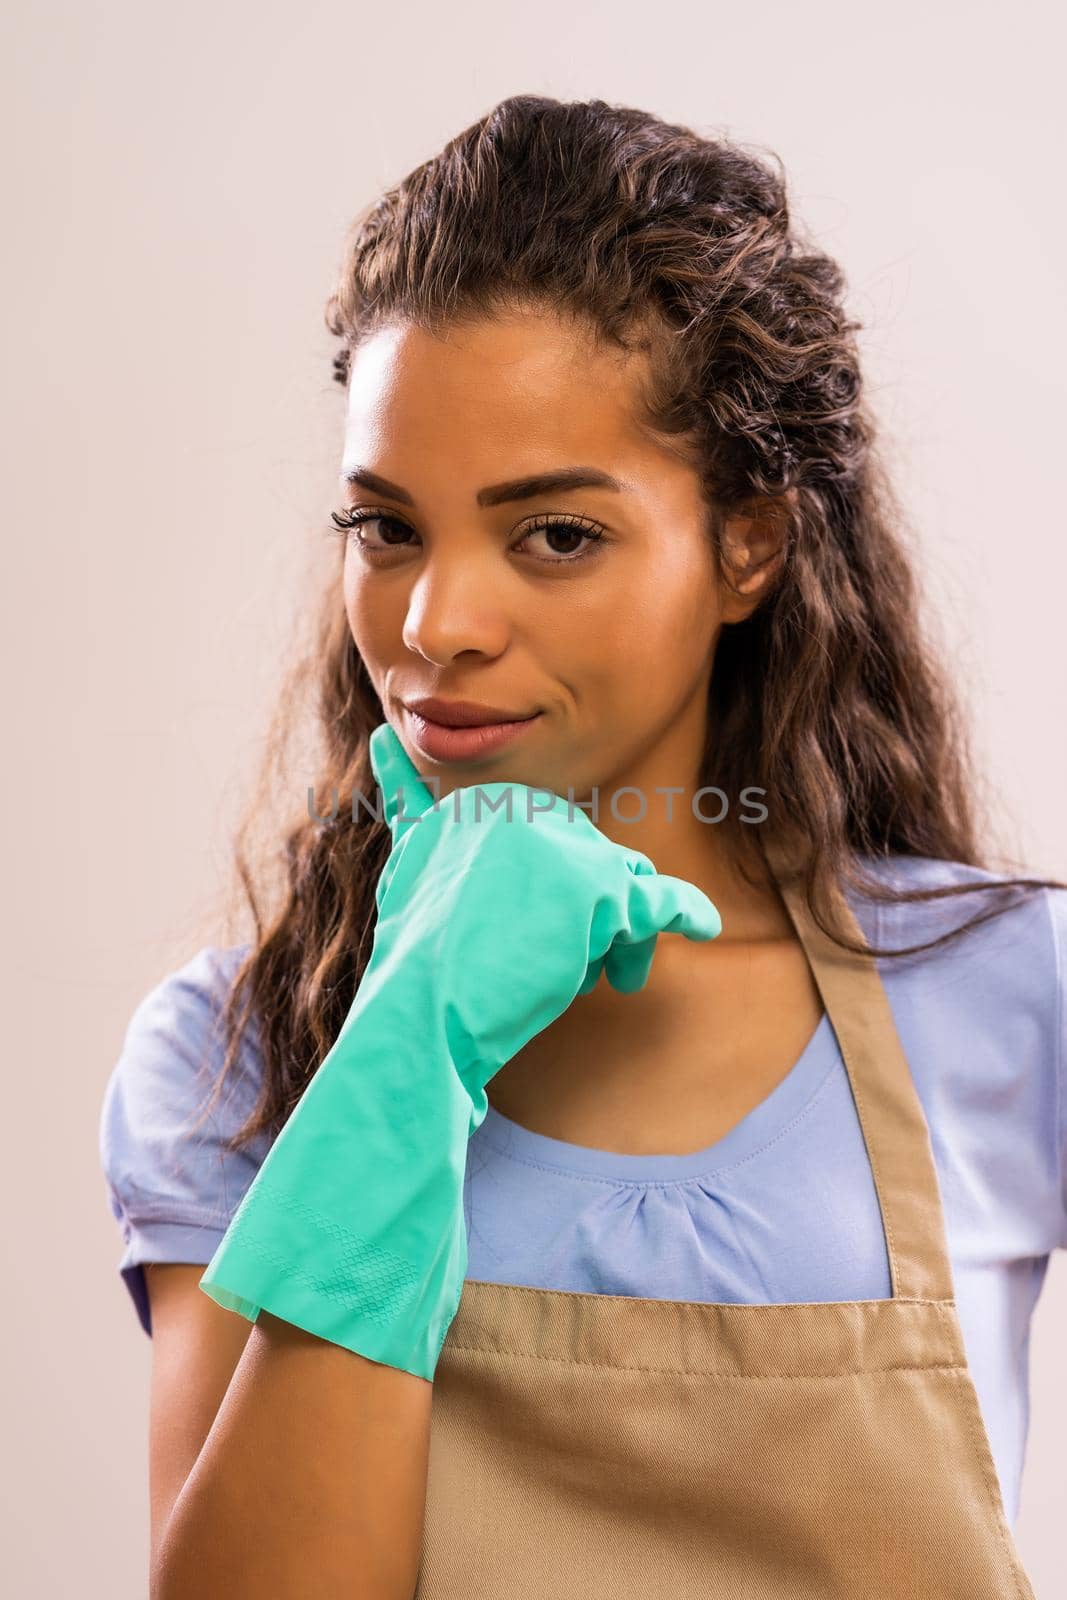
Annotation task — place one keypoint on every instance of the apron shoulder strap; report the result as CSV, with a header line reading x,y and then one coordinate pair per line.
x,y
894,1126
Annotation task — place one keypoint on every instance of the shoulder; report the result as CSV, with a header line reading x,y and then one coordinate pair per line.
x,y
999,985
190,992
1037,916
933,872
173,1048
988,1005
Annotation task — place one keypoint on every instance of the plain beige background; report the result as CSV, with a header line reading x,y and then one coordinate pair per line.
x,y
178,183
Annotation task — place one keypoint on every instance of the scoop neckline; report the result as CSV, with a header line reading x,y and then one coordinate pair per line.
x,y
767,1120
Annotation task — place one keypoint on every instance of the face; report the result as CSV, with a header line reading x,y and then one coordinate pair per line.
x,y
590,609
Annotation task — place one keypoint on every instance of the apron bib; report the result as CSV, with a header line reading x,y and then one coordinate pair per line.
x,y
625,1448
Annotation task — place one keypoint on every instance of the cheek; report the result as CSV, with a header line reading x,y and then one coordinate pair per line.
x,y
642,647
369,614
667,615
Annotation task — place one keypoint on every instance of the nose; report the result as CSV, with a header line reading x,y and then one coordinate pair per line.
x,y
456,606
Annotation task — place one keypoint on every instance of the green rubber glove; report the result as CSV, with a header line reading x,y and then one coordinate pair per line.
x,y
488,927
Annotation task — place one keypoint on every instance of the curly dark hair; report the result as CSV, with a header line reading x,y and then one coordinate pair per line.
x,y
828,695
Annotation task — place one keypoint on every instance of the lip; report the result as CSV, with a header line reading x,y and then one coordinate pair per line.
x,y
443,742
464,713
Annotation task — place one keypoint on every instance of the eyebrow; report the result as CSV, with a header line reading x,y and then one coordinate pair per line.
x,y
496,494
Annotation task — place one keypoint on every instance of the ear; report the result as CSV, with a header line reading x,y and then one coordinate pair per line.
x,y
754,541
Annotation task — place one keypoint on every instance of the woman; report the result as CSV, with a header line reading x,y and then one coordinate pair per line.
x,y
752,1241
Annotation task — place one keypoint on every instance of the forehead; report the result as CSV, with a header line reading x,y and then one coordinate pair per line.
x,y
531,383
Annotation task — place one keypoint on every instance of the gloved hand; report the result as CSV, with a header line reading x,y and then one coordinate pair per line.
x,y
490,922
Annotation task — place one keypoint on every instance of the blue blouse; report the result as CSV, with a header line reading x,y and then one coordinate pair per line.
x,y
781,1208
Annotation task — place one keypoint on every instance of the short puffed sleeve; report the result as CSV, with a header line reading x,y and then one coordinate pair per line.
x,y
171,1185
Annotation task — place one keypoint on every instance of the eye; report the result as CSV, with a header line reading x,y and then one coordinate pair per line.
x,y
354,518
571,529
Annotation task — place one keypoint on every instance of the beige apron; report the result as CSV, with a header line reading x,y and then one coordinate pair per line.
x,y
631,1449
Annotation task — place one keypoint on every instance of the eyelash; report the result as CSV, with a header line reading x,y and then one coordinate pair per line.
x,y
352,518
